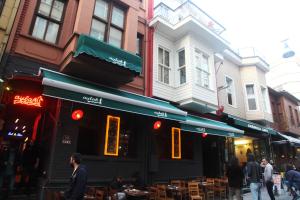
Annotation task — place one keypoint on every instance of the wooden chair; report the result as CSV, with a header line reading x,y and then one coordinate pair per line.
x,y
220,189
210,193
210,181
91,191
152,193
176,183
194,192
99,194
162,193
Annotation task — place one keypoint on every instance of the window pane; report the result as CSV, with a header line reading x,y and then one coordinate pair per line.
x,y
229,98
181,58
118,17
52,32
45,7
166,75
167,58
250,89
115,37
39,28
57,10
97,30
182,75
160,56
160,73
204,65
252,104
205,79
101,9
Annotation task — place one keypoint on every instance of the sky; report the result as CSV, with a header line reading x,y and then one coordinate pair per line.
x,y
262,24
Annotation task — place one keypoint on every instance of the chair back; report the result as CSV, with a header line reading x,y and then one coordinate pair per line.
x,y
99,195
161,192
210,180
193,188
176,183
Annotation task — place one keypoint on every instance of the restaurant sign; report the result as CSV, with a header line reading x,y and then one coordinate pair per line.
x,y
161,114
92,100
201,130
252,126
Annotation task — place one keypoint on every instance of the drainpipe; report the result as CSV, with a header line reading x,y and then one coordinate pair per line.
x,y
149,39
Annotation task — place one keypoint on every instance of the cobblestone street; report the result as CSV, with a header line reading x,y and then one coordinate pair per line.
x,y
283,196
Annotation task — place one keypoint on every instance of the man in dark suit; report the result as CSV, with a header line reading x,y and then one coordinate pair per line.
x,y
78,179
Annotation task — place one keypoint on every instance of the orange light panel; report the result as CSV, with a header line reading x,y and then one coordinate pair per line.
x,y
112,136
28,101
176,143
77,114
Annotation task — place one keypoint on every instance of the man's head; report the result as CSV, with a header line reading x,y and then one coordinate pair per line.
x,y
265,161
75,159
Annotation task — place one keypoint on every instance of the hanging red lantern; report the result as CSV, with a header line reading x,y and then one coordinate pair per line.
x,y
157,125
204,135
77,114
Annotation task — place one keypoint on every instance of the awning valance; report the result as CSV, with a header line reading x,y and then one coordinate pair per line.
x,y
250,125
61,86
98,49
287,139
203,125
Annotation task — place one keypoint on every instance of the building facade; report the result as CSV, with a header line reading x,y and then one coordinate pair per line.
x,y
8,10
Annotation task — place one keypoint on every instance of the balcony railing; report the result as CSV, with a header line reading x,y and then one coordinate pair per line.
x,y
187,9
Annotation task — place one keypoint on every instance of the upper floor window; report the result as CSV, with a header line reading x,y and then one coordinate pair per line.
x,y
48,20
182,66
108,23
202,67
297,117
163,65
139,44
2,3
251,97
291,115
230,91
265,99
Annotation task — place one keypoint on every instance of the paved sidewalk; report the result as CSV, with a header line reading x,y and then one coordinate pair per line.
x,y
283,196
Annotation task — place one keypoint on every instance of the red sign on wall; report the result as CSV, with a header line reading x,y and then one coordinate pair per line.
x,y
29,101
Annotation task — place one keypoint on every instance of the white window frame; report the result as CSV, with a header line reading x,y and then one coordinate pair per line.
x,y
181,67
163,65
255,96
233,93
201,71
266,100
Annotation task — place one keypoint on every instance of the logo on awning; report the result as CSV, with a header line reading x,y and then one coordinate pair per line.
x,y
92,100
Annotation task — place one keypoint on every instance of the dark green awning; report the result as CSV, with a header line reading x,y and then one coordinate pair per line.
x,y
96,48
66,87
251,125
203,125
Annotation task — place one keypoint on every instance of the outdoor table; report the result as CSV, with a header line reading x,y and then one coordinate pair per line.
x,y
133,194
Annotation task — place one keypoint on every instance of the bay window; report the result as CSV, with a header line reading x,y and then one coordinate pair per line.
x,y
108,23
48,20
182,66
202,68
163,65
251,97
231,99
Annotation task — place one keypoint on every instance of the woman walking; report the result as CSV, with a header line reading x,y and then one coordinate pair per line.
x,y
235,178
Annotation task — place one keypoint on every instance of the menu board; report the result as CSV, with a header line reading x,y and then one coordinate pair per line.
x,y
112,136
176,143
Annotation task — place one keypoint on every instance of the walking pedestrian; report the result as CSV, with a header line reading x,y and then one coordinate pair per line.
x,y
268,177
78,179
254,177
235,176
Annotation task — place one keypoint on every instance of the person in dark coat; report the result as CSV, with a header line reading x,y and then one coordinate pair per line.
x,y
254,176
235,176
78,179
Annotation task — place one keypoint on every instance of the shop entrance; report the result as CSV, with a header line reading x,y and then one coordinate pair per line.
x,y
247,145
24,140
